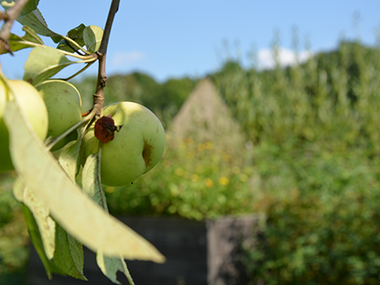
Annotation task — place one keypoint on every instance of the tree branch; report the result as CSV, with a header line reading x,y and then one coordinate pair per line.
x,y
9,17
98,98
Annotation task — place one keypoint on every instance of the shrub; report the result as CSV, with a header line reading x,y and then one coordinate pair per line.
x,y
315,130
193,180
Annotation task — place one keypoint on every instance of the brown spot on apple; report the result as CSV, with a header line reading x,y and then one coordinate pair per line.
x,y
147,153
105,129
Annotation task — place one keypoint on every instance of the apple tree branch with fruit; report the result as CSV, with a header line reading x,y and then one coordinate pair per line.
x,y
63,155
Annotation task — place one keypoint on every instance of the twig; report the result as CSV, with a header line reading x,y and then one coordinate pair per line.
x,y
80,71
9,17
98,97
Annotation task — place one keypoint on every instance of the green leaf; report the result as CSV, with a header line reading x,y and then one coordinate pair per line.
x,y
69,206
76,35
92,36
110,266
32,17
91,181
36,239
30,39
68,158
43,62
69,254
31,36
29,7
92,186
36,21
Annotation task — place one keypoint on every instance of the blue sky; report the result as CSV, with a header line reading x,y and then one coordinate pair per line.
x,y
171,38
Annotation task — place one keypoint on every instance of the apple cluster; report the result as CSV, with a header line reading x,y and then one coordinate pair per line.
x,y
54,106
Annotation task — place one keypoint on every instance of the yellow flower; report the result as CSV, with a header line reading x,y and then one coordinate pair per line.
x,y
194,178
189,155
179,172
201,147
209,183
189,141
208,145
226,157
223,181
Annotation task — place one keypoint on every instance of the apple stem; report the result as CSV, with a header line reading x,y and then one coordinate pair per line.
x,y
98,97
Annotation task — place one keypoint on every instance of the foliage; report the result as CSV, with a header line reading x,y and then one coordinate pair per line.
x,y
193,180
322,217
330,96
13,235
314,168
315,129
60,215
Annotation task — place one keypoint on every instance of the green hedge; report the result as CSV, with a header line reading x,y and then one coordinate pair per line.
x,y
14,239
324,228
193,180
316,132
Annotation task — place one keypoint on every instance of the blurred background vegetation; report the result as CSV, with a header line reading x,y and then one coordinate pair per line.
x,y
314,167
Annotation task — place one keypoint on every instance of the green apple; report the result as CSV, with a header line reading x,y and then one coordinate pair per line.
x,y
136,147
64,106
34,109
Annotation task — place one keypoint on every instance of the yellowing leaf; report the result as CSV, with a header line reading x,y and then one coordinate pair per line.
x,y
35,236
92,186
69,206
45,223
68,158
49,239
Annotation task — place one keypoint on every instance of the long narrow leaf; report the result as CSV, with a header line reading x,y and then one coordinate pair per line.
x,y
69,254
92,186
46,225
35,236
